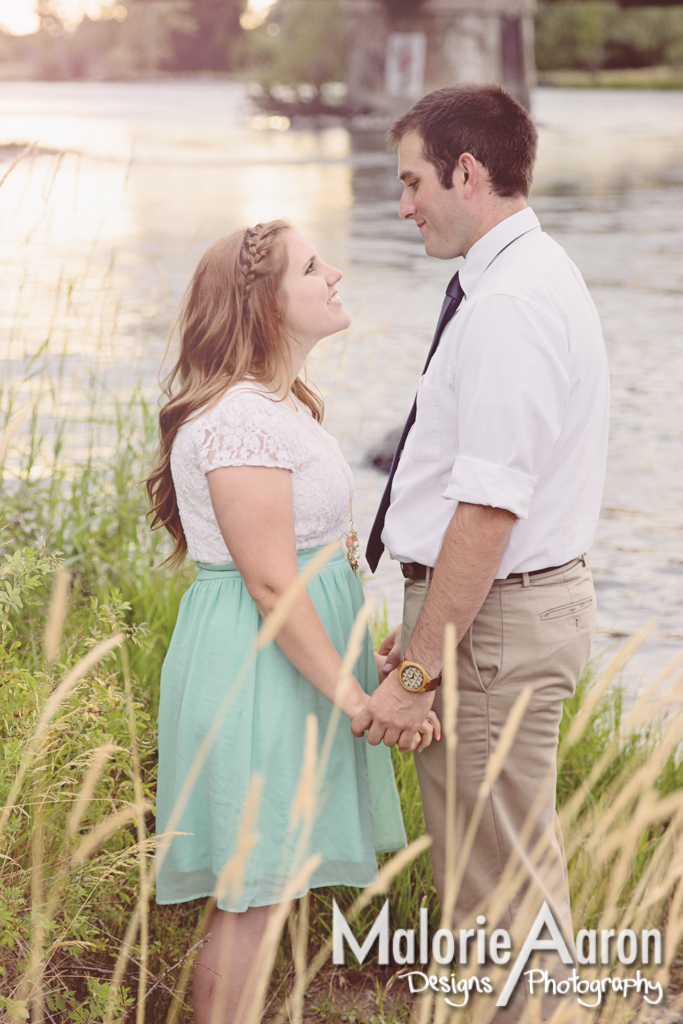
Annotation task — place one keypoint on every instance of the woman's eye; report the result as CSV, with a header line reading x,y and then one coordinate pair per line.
x,y
310,267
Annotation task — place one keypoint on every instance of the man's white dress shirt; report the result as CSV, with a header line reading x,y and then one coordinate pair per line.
x,y
513,409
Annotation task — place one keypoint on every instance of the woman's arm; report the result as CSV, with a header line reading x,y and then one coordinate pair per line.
x,y
254,508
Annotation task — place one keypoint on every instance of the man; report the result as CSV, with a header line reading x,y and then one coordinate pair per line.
x,y
493,500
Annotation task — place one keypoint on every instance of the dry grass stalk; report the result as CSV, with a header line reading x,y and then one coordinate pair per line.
x,y
385,877
99,758
180,988
56,616
639,710
450,708
641,785
275,621
353,650
106,828
17,160
520,863
637,715
140,805
493,769
455,868
268,631
12,428
303,805
34,977
600,685
121,961
300,948
231,879
253,998
36,968
49,711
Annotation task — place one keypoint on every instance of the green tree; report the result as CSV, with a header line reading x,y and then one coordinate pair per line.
x,y
309,45
593,34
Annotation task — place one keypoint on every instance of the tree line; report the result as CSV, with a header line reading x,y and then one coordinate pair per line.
x,y
306,40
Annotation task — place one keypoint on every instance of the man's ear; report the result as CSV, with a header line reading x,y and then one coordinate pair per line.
x,y
468,170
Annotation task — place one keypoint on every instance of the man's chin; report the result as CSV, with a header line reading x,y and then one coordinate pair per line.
x,y
439,252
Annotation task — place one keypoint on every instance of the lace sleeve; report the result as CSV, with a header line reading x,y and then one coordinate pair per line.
x,y
247,429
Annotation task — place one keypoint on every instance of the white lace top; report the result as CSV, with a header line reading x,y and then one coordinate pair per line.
x,y
249,428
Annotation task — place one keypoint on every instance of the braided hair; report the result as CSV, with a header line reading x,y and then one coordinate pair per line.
x,y
256,244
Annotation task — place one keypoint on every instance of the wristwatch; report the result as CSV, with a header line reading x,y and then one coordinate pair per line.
x,y
415,678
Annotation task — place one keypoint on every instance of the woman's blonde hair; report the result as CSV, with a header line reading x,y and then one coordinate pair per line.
x,y
231,324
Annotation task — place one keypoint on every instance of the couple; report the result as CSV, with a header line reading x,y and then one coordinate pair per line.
x,y
490,507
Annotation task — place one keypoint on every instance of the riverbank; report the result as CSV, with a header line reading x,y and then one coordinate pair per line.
x,y
614,78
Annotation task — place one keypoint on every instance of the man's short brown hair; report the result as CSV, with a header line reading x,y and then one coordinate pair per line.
x,y
484,120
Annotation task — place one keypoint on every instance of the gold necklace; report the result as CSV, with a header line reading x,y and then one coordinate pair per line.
x,y
351,542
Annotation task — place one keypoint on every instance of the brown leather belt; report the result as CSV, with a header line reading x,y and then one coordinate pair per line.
x,y
537,572
416,571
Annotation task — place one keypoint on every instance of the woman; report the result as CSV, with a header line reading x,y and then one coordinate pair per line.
x,y
250,486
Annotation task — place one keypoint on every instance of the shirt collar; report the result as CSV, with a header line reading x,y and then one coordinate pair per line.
x,y
485,250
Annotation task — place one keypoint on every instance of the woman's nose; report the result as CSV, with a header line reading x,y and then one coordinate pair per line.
x,y
333,275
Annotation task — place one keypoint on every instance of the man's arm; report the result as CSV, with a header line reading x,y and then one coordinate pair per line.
x,y
472,549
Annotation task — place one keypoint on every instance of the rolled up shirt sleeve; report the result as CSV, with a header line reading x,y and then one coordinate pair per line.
x,y
512,387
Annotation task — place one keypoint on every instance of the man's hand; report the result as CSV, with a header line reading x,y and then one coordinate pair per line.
x,y
393,715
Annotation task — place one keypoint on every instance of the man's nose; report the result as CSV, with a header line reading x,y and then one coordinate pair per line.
x,y
406,209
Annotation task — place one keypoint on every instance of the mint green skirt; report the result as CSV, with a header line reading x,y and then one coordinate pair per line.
x,y
357,810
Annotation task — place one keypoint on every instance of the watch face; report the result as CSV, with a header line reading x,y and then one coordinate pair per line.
x,y
412,677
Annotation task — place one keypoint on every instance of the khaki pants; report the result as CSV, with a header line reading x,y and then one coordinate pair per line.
x,y
536,632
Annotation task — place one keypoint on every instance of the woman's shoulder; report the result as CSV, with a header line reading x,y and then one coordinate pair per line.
x,y
243,403
246,426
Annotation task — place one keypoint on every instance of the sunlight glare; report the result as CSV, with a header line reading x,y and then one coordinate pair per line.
x,y
256,13
19,17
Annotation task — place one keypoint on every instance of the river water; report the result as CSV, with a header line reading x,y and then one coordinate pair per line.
x,y
102,224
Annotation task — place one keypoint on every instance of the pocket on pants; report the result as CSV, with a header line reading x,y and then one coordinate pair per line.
x,y
486,642
565,610
566,626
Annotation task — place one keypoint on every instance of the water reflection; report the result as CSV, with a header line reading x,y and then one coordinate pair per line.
x,y
97,246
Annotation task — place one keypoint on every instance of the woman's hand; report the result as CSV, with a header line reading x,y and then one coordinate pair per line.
x,y
430,728
380,661
389,652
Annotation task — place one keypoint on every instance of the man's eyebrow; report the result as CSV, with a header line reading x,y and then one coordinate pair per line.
x,y
407,174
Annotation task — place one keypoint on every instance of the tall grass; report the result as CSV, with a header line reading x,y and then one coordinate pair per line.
x,y
75,845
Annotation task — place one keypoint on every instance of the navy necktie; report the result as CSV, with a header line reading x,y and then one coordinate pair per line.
x,y
454,294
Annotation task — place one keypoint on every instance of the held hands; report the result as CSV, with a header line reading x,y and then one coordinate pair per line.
x,y
393,715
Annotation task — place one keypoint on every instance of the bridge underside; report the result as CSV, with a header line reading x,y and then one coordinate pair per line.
x,y
395,59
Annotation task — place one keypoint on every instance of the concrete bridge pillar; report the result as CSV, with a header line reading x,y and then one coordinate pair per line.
x,y
395,60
